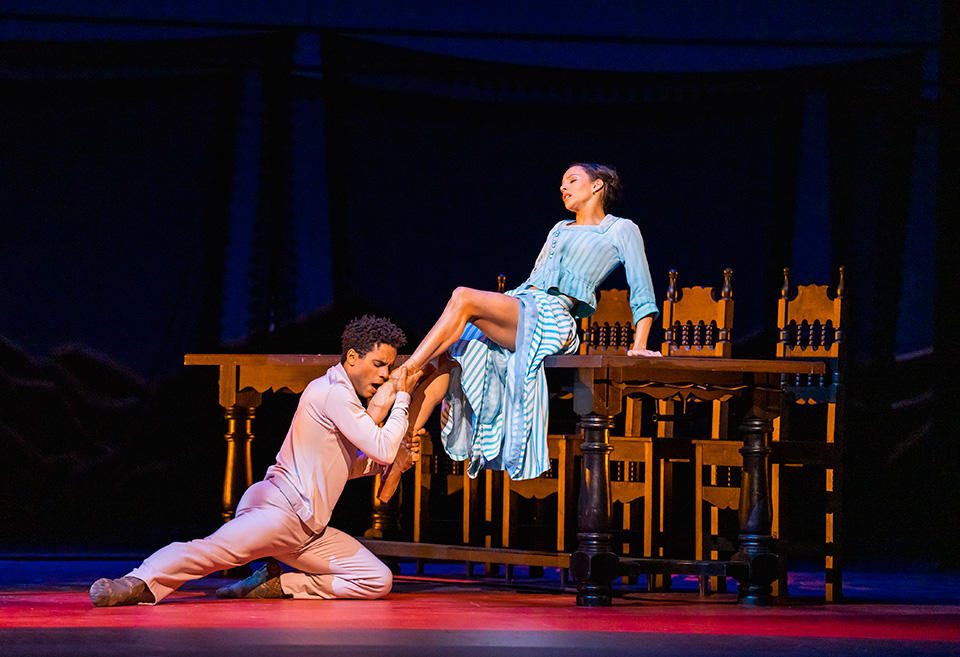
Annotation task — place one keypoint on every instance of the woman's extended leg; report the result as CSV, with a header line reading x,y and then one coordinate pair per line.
x,y
431,389
493,313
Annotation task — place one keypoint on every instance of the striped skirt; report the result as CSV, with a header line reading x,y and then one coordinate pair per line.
x,y
494,414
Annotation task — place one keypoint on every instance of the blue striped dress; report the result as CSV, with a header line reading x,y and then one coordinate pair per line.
x,y
494,414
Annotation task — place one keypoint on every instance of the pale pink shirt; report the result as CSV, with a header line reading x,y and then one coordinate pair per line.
x,y
331,440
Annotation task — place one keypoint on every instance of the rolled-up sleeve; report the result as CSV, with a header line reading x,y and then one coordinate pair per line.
x,y
629,245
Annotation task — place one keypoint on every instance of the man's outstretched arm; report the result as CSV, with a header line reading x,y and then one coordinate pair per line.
x,y
407,456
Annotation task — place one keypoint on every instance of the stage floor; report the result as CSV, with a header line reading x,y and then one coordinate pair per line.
x,y
45,610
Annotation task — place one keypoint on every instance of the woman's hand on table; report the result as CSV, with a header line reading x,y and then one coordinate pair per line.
x,y
646,353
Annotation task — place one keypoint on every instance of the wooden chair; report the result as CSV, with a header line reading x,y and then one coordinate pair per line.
x,y
558,480
811,326
610,330
632,484
480,496
720,489
423,472
696,324
479,499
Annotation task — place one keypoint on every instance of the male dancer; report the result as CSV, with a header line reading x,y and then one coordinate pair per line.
x,y
332,438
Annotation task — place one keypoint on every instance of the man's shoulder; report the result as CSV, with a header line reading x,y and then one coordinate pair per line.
x,y
334,382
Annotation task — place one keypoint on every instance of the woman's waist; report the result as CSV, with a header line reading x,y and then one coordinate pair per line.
x,y
566,300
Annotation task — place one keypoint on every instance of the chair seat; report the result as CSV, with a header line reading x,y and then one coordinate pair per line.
x,y
558,481
811,326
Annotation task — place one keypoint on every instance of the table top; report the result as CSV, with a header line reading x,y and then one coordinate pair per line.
x,y
652,365
690,363
306,360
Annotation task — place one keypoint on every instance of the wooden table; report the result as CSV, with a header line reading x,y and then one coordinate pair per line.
x,y
600,383
243,380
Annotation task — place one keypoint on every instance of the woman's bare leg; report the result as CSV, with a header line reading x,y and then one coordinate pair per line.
x,y
429,391
425,397
493,313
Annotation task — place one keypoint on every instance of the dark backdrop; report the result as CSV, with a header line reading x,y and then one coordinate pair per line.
x,y
129,169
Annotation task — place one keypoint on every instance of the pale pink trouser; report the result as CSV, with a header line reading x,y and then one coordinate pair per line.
x,y
330,565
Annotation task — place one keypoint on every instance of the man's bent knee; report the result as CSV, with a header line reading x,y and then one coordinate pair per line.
x,y
379,584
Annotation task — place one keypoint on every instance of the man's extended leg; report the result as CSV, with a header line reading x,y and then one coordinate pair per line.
x,y
265,525
335,565
125,590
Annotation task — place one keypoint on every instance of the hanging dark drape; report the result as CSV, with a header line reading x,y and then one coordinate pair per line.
x,y
458,162
120,165
444,173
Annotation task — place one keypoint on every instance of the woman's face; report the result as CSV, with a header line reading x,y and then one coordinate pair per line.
x,y
576,188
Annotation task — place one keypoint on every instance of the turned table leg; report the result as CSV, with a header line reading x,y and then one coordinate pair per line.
x,y
238,473
594,565
385,515
755,539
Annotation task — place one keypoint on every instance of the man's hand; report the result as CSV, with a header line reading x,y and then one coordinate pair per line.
x,y
412,442
644,352
404,381
407,455
409,452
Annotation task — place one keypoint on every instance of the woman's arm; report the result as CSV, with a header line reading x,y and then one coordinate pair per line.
x,y
642,332
643,305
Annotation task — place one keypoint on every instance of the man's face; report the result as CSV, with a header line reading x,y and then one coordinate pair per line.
x,y
368,372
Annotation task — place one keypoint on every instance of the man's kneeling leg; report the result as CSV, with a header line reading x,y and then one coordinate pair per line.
x,y
265,583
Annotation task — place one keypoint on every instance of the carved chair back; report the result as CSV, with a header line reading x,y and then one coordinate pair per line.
x,y
810,323
695,323
610,328
811,327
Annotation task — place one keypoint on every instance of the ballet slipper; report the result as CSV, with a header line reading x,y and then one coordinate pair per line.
x,y
126,590
265,583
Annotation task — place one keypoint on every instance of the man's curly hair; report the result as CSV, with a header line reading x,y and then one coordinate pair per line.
x,y
364,333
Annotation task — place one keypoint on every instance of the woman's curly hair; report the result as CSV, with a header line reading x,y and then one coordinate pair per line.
x,y
612,187
364,333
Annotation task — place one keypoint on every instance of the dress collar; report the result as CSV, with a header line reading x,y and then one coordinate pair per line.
x,y
603,225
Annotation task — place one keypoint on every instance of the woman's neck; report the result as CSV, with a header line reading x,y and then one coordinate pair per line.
x,y
589,216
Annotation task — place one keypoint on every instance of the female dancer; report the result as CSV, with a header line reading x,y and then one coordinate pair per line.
x,y
489,347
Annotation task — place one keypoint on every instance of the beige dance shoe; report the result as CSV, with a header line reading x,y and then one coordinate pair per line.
x,y
126,590
265,583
